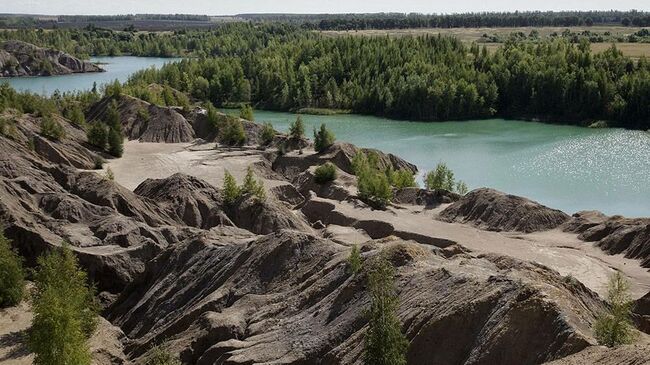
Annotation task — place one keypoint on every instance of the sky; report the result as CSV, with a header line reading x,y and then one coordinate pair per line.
x,y
220,7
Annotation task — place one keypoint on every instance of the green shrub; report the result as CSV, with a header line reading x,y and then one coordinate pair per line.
x,y
323,138
373,185
297,129
233,133
267,135
97,135
615,327
354,260
113,116
76,115
51,128
215,119
109,174
65,311
113,89
161,356
246,112
384,342
115,142
401,179
98,162
231,191
443,178
12,277
143,114
253,186
325,173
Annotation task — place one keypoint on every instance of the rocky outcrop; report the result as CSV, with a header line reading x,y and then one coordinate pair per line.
x,y
264,217
340,154
641,313
24,59
425,197
496,211
288,298
144,121
341,188
195,202
627,354
615,235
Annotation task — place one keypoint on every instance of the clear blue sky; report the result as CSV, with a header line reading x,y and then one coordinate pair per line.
x,y
221,7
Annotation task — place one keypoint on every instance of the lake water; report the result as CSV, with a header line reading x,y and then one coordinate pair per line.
x,y
116,68
564,167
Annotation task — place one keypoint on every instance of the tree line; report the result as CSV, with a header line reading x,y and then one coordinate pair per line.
x,y
426,78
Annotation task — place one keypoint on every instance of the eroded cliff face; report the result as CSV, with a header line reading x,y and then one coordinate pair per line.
x,y
268,281
24,59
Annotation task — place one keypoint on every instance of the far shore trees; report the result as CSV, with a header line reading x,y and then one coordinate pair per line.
x,y
65,310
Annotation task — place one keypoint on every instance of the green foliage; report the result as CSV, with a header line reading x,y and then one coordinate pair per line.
x,y
76,115
98,162
109,174
252,186
97,135
115,142
114,89
373,185
323,138
384,342
8,128
113,116
615,327
267,134
161,356
12,276
297,129
231,191
443,178
401,179
215,119
355,262
143,114
65,311
325,173
51,128
233,133
246,112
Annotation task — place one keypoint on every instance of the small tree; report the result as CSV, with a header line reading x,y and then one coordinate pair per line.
x,y
113,116
267,135
65,311
234,133
12,277
51,128
252,186
76,115
354,260
401,179
384,342
325,173
231,191
297,129
109,174
246,112
97,135
323,138
373,185
443,178
115,142
615,327
113,89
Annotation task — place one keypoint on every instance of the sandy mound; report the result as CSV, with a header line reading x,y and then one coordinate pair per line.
x,y
496,211
146,122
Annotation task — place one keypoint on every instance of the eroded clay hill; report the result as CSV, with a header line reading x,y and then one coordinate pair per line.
x,y
268,281
24,59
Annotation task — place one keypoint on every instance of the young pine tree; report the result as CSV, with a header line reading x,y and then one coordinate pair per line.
x,y
12,277
384,343
323,138
115,142
615,327
252,186
97,135
267,135
231,191
246,112
354,260
297,129
65,311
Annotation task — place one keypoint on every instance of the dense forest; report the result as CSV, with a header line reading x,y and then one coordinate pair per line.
x,y
426,78
429,78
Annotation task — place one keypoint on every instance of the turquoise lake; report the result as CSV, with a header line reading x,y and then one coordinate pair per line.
x,y
564,167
